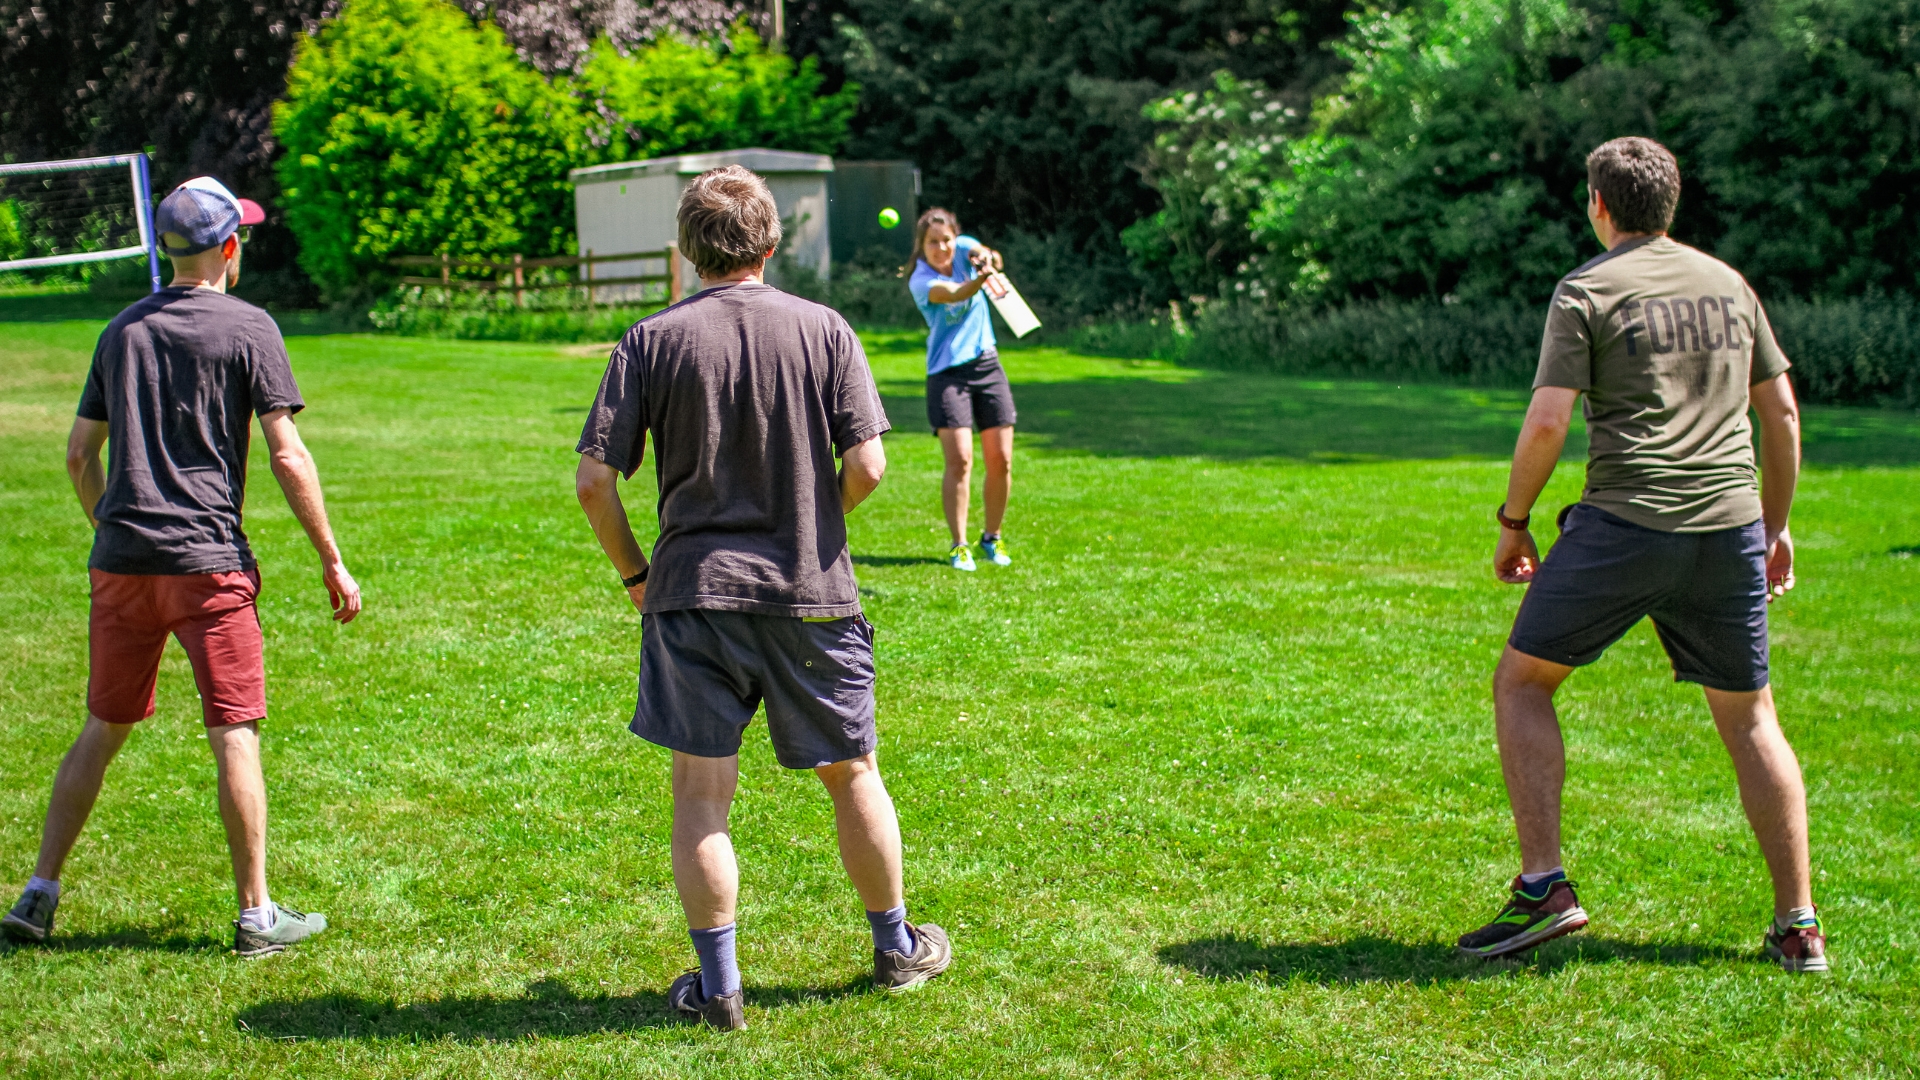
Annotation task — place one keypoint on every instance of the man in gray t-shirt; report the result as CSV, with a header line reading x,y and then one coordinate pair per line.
x,y
748,394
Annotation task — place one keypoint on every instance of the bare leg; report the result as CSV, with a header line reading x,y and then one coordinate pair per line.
x,y
243,807
704,870
996,448
869,831
75,787
955,486
1770,789
1533,758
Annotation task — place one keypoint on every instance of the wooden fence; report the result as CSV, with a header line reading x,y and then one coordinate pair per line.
x,y
519,265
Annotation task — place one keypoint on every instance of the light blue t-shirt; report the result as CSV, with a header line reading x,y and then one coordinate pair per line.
x,y
957,333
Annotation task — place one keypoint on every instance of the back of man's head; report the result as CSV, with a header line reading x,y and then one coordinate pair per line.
x,y
728,221
1639,181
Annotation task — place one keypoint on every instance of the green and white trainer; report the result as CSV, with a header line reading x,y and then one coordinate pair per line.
x,y
995,551
1527,920
289,927
961,558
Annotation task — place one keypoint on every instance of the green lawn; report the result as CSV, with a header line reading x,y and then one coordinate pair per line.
x,y
1203,785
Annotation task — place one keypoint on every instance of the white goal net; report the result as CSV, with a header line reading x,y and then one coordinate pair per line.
x,y
83,210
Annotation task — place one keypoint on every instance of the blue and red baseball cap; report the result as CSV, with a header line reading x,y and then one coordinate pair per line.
x,y
203,213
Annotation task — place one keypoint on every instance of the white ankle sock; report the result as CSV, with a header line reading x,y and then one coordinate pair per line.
x,y
260,918
1794,915
40,884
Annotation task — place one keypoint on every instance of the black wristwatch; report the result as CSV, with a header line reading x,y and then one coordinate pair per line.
x,y
637,579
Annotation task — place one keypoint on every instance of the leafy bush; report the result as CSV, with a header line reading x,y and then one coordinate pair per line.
x,y
1848,352
409,130
1449,160
676,97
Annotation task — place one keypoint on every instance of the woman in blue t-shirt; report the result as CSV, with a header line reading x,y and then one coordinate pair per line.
x,y
966,388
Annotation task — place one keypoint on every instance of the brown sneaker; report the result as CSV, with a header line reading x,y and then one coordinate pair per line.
x,y
1800,948
932,954
723,1011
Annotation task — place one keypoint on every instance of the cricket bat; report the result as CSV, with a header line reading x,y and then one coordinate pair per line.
x,y
1007,301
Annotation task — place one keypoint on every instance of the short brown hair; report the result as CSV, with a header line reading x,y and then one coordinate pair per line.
x,y
1639,181
728,220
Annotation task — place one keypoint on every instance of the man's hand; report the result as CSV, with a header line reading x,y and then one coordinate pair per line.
x,y
342,592
638,594
1515,558
300,482
1779,565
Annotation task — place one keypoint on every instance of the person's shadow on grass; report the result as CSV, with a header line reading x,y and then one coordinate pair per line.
x,y
1373,959
549,1009
131,938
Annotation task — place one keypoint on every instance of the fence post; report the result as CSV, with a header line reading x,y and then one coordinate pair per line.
x,y
589,286
519,282
446,279
673,273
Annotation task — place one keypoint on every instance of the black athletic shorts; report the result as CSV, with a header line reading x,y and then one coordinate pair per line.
x,y
704,673
1706,593
970,395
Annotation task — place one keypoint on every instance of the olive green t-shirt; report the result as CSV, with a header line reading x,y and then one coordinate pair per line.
x,y
1664,340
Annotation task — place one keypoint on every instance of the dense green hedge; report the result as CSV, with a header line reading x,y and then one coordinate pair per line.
x,y
1854,352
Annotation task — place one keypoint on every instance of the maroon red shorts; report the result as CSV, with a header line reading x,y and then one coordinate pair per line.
x,y
214,618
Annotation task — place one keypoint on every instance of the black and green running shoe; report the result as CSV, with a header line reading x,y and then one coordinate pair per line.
x,y
289,927
1527,921
32,917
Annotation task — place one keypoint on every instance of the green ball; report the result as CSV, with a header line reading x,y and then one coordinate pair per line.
x,y
889,217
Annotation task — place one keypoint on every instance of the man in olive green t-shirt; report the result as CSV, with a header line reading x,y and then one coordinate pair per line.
x,y
1671,349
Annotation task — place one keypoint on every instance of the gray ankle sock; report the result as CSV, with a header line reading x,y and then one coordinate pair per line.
x,y
40,884
890,932
719,968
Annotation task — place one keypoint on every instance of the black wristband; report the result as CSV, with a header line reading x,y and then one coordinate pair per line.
x,y
1516,524
637,579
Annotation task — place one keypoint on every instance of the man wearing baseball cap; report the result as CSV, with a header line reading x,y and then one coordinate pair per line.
x,y
176,379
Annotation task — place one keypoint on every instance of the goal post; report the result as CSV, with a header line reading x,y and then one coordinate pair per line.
x,y
64,213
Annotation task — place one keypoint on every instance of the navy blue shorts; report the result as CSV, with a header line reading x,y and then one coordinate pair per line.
x,y
1706,593
704,673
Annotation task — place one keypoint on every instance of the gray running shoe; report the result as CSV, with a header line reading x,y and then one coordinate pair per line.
x,y
725,1012
32,918
289,928
932,954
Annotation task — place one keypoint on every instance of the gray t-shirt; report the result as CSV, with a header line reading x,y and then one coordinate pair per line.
x,y
1665,341
177,377
749,395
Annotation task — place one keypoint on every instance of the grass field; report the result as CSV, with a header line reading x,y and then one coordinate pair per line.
x,y
1203,785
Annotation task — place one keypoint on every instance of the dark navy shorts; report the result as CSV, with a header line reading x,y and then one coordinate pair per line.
x,y
971,395
1706,593
704,673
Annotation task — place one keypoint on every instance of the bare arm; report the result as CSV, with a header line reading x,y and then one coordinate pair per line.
x,y
83,463
985,261
300,482
597,485
1779,414
861,468
1542,436
943,293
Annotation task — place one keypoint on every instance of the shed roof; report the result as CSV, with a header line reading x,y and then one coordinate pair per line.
x,y
759,159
